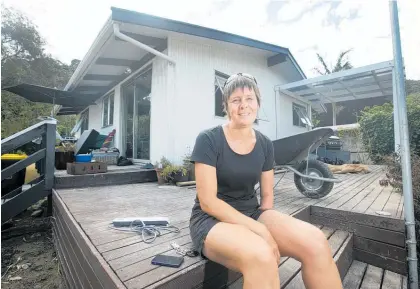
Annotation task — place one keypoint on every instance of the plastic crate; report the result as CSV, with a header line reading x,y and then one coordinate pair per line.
x,y
110,158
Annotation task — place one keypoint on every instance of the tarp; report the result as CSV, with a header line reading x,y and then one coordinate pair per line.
x,y
36,93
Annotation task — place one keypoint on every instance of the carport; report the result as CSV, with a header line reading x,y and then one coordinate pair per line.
x,y
384,79
371,81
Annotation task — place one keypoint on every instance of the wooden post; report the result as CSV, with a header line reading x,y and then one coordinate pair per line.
x,y
49,163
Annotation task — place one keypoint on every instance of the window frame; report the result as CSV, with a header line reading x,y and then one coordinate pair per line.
x,y
218,77
302,115
84,116
110,98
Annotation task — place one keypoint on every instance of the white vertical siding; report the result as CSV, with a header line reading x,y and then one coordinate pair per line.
x,y
160,119
95,115
117,119
190,103
285,126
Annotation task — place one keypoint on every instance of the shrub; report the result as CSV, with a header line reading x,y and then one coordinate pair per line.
x,y
394,178
377,127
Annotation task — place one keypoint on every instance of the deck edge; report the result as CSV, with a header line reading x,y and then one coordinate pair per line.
x,y
104,269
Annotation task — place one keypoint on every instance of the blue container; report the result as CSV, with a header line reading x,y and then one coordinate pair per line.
x,y
86,158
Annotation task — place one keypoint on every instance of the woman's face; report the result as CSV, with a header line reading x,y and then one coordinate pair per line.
x,y
242,107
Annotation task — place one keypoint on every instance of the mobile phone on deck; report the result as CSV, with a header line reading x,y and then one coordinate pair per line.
x,y
168,261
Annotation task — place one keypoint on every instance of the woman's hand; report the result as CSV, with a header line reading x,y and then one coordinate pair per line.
x,y
264,233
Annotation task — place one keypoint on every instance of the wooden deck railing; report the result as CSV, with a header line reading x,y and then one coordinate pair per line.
x,y
19,200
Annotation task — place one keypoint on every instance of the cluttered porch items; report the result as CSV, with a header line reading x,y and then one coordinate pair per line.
x,y
91,154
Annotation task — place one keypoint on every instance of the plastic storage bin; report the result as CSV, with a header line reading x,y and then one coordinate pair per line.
x,y
110,158
83,158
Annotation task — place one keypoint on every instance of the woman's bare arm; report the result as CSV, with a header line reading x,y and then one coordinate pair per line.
x,y
267,192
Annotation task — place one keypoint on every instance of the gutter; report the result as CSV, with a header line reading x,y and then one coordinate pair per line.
x,y
122,36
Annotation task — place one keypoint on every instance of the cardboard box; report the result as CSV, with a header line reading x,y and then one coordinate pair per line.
x,y
86,168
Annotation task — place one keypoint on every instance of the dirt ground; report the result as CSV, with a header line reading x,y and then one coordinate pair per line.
x,y
28,257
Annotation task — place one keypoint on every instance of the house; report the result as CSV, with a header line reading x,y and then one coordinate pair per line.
x,y
157,82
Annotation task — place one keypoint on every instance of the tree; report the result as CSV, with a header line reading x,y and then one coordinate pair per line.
x,y
19,37
342,63
339,65
24,60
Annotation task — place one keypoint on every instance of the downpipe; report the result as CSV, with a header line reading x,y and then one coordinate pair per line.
x,y
412,280
122,36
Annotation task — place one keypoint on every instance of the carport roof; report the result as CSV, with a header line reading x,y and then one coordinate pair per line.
x,y
358,83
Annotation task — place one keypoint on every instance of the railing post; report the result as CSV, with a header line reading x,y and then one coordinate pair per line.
x,y
49,163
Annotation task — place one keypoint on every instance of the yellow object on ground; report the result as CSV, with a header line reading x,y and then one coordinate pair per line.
x,y
13,157
31,172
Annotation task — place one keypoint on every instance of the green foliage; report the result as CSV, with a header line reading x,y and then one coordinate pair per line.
x,y
20,39
169,171
394,178
340,64
24,60
163,163
377,127
412,86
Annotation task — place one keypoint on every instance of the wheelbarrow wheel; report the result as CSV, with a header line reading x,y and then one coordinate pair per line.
x,y
310,187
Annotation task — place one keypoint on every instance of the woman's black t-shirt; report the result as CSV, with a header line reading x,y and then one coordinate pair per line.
x,y
237,174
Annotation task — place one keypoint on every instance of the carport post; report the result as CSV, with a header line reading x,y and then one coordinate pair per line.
x,y
334,113
397,135
413,282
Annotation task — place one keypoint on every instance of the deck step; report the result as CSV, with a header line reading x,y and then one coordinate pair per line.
x,y
341,244
362,275
117,177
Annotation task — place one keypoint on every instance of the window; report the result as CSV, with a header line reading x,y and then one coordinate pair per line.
x,y
219,81
85,121
82,123
108,110
300,116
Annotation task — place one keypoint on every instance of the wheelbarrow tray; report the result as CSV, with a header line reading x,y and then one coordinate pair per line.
x,y
294,149
312,178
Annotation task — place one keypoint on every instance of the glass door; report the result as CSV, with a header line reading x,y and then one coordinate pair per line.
x,y
137,116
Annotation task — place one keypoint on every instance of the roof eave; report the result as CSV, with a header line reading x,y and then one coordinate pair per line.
x,y
143,19
92,54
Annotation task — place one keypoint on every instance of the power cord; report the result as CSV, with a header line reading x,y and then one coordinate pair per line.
x,y
152,231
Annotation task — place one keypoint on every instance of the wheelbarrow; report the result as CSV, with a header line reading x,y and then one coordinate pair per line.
x,y
312,177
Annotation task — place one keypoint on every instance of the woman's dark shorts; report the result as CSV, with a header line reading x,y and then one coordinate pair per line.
x,y
201,224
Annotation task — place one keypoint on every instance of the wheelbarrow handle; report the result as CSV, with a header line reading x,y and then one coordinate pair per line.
x,y
311,177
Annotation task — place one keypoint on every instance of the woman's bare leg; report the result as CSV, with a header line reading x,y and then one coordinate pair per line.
x,y
241,250
307,244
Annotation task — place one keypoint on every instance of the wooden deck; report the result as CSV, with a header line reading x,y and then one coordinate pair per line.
x,y
364,276
95,256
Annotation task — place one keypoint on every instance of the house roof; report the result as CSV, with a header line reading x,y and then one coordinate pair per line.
x,y
358,83
143,19
109,58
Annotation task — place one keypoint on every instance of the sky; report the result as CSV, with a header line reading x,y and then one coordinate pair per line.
x,y
305,27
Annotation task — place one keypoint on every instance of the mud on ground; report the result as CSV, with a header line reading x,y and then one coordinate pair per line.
x,y
28,257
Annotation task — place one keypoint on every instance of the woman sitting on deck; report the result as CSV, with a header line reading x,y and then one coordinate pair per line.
x,y
228,225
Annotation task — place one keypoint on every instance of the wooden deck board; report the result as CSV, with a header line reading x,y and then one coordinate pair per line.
x,y
365,276
129,257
